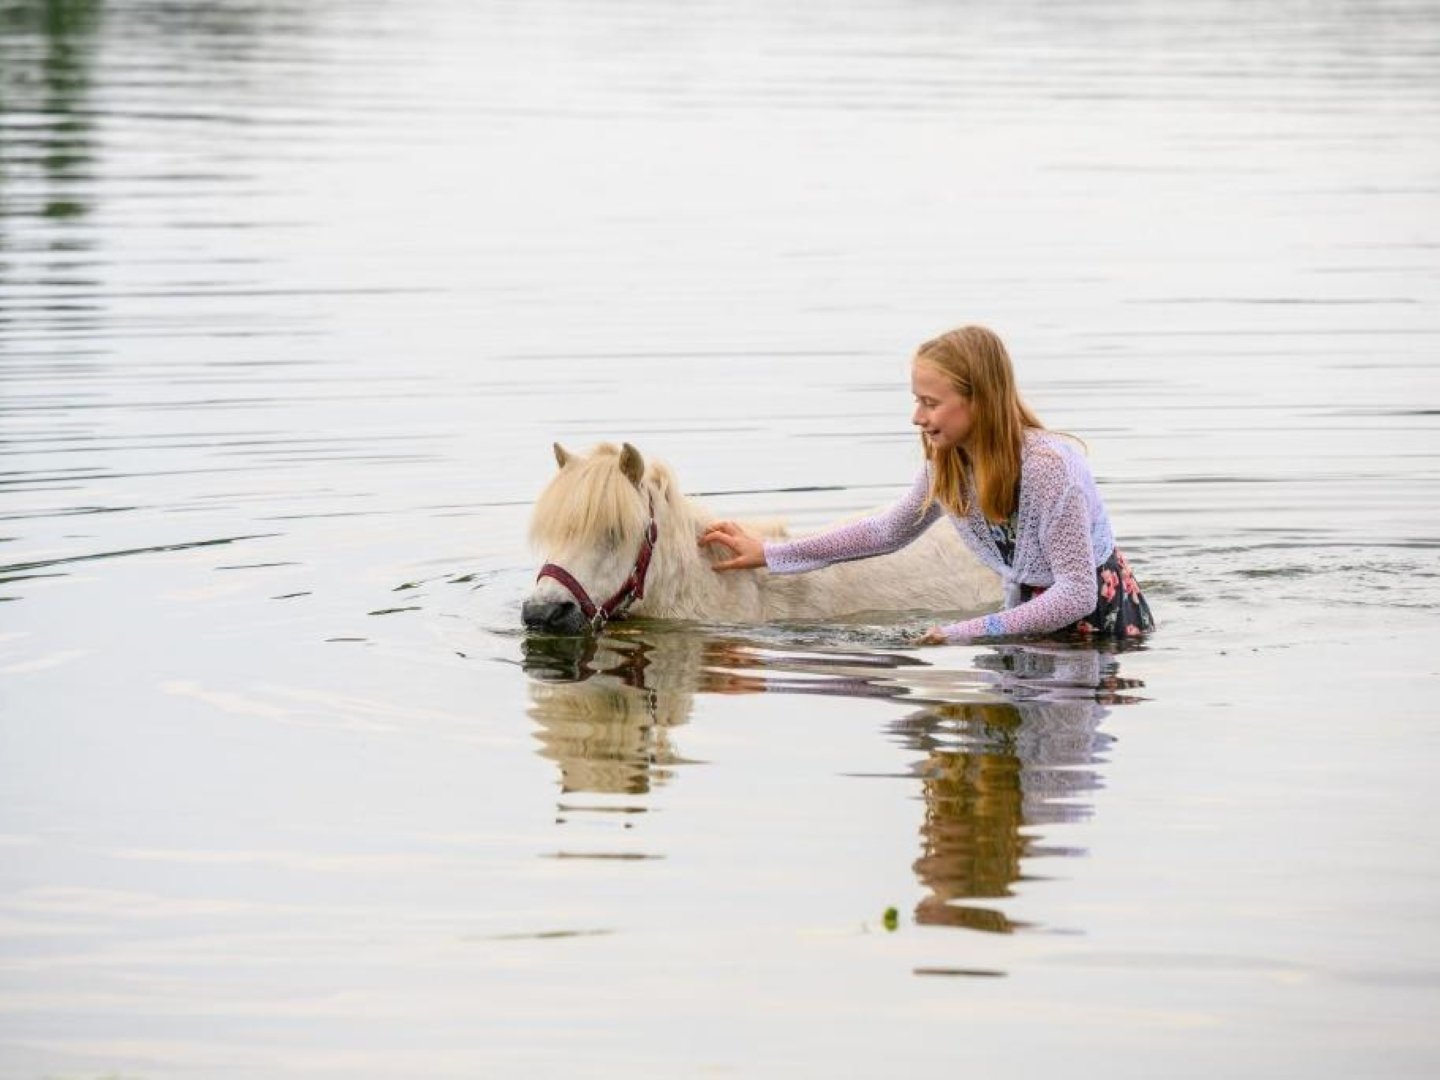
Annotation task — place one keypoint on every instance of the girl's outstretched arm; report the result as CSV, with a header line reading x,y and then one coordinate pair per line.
x,y
879,534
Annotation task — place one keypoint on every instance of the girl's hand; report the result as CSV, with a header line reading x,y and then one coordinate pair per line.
x,y
933,636
749,549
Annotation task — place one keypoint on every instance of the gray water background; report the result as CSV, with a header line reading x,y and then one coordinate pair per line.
x,y
294,298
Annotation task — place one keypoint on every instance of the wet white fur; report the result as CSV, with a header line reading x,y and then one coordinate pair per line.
x,y
591,517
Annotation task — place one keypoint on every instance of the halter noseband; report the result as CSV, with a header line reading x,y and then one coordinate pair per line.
x,y
631,589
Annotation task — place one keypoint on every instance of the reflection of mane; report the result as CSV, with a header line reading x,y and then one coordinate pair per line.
x,y
604,708
602,738
591,502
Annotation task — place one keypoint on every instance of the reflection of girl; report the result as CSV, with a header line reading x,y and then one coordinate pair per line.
x,y
991,775
1022,499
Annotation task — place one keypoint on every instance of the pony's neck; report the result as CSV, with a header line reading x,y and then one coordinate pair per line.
x,y
682,583
680,521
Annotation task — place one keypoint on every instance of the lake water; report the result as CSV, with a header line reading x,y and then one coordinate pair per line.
x,y
294,298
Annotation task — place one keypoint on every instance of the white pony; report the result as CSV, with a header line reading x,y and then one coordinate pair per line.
x,y
619,538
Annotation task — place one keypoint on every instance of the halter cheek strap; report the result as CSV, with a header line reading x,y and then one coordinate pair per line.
x,y
631,589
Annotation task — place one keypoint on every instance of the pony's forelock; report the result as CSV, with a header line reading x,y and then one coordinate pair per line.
x,y
588,502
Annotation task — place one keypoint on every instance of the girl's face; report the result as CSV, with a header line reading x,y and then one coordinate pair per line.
x,y
942,413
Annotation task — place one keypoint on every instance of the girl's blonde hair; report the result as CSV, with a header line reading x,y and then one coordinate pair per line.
x,y
975,362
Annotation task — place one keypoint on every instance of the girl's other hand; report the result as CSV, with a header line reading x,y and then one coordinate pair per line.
x,y
749,549
933,636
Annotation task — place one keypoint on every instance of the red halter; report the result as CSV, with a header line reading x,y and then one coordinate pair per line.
x,y
631,589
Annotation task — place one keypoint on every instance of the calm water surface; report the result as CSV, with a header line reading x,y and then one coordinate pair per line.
x,y
294,298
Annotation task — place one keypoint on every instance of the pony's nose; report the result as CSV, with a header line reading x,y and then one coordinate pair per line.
x,y
553,616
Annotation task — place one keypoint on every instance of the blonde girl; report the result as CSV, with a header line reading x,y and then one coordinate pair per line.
x,y
1022,498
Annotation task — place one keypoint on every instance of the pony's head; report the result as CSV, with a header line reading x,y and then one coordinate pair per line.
x,y
595,525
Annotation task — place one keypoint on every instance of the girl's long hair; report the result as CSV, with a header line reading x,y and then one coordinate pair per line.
x,y
975,362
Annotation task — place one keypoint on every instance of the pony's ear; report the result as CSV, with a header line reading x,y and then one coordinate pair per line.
x,y
562,456
632,465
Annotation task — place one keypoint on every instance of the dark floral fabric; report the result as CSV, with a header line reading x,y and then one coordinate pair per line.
x,y
1120,609
1004,536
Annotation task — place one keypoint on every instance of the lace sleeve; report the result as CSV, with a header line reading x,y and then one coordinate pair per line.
x,y
1065,538
877,534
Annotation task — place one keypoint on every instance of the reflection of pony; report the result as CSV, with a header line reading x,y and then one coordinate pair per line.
x,y
605,707
612,526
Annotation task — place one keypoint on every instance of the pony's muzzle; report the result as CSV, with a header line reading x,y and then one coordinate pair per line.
x,y
554,617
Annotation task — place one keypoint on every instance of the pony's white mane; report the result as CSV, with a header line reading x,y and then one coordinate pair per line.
x,y
589,502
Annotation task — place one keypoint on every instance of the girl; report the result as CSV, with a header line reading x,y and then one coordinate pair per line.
x,y
1021,497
